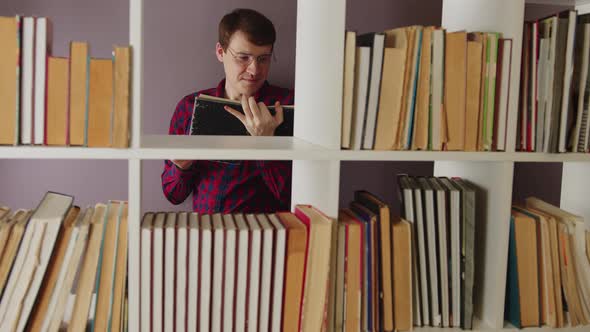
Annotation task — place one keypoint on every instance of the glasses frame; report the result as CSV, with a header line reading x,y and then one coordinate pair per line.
x,y
251,58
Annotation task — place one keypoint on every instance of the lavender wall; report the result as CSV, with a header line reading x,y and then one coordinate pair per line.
x,y
23,182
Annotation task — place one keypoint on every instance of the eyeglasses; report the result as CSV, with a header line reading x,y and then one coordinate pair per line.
x,y
245,59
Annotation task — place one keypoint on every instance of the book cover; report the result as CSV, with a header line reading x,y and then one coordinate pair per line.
x,y
210,118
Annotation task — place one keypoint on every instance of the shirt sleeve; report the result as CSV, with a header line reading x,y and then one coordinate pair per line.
x,y
178,184
277,177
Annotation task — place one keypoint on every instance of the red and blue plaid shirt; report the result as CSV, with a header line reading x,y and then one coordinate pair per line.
x,y
249,186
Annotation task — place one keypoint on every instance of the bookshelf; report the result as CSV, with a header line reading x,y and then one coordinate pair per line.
x,y
315,147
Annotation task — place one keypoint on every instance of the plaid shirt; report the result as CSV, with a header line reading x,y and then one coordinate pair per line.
x,y
249,186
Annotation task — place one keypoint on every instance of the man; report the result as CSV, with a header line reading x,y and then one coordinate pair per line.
x,y
245,46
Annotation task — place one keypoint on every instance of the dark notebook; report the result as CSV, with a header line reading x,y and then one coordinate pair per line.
x,y
210,118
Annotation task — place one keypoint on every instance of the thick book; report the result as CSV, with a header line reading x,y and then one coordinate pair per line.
x,y
279,252
88,272
145,320
192,305
218,258
210,118
78,96
56,113
313,316
392,85
10,34
375,41
297,237
229,278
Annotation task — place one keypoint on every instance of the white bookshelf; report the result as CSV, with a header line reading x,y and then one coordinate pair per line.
x,y
315,147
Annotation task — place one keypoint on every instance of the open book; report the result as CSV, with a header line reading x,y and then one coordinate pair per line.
x,y
210,118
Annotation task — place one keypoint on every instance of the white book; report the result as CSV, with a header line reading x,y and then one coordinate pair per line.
x,y
408,201
377,47
51,213
542,86
567,79
266,272
13,288
169,272
534,85
550,25
420,241
68,255
443,257
158,273
229,273
279,272
254,273
455,227
193,272
580,136
27,80
361,88
242,272
60,305
146,272
438,51
218,259
431,232
504,96
205,272
181,270
42,50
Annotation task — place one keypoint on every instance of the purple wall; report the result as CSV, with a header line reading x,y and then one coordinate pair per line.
x,y
23,182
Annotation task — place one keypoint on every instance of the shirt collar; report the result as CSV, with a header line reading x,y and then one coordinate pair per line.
x,y
220,90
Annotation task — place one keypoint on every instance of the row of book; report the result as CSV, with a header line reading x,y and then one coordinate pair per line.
x,y
555,84
48,100
548,267
424,88
442,213
63,267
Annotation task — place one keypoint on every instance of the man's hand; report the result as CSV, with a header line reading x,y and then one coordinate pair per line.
x,y
257,118
182,164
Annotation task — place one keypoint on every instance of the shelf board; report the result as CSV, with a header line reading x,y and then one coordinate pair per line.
x,y
50,152
462,156
266,148
571,3
230,147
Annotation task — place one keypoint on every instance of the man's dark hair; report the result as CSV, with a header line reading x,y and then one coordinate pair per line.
x,y
257,27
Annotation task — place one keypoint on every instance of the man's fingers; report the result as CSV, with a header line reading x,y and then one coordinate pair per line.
x,y
279,117
254,108
246,107
235,113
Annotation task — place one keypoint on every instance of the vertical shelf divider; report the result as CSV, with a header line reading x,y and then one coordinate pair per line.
x,y
575,189
318,99
134,161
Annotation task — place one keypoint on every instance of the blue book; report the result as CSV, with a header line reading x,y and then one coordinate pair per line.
x,y
368,219
512,301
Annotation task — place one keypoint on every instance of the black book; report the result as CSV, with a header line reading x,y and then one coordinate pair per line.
x,y
210,118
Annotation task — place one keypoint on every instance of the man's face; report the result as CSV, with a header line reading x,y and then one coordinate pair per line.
x,y
246,65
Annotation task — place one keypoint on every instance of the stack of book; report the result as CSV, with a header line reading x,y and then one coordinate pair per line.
x,y
442,216
548,267
423,88
235,272
62,267
48,100
555,84
373,262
